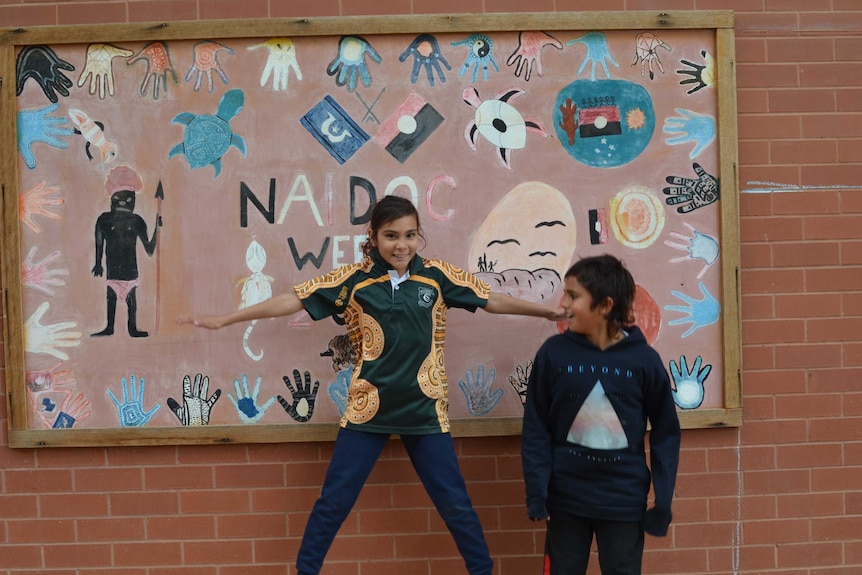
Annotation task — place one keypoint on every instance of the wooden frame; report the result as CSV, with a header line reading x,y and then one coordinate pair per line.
x,y
21,434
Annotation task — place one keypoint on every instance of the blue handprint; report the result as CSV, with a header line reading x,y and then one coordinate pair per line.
x,y
479,56
691,127
131,410
40,126
597,53
246,403
426,54
338,389
350,62
479,396
688,384
699,313
698,245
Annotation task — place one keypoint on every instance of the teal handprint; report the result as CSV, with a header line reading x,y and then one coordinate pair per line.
x,y
698,245
245,402
688,384
131,410
699,313
39,126
480,395
690,127
597,53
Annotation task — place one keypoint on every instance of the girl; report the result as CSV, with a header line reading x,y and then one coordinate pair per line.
x,y
394,304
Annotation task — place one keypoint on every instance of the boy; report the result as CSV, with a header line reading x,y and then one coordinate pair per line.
x,y
591,392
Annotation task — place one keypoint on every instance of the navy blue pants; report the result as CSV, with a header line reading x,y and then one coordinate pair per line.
x,y
569,537
433,458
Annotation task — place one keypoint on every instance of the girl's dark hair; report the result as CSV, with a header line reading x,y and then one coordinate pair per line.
x,y
389,209
607,277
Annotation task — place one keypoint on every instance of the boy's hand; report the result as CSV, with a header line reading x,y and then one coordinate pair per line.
x,y
205,321
657,520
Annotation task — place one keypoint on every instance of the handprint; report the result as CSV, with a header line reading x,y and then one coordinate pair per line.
x,y
301,407
72,411
338,389
246,403
521,379
279,63
698,246
480,395
196,408
528,54
48,389
569,121
36,201
597,53
98,68
701,75
691,127
43,65
350,62
38,275
206,62
131,410
40,338
699,313
688,384
39,126
158,61
646,50
693,194
479,56
426,54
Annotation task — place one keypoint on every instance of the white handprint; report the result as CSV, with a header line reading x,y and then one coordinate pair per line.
x,y
40,338
279,63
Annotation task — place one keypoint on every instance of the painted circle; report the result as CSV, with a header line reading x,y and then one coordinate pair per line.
x,y
406,124
597,139
637,217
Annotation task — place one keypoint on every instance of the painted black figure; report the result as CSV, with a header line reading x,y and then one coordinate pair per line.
x,y
117,233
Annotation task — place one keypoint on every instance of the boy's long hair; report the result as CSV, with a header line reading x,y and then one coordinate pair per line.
x,y
389,209
607,277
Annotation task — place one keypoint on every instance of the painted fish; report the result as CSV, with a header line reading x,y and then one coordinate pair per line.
x,y
94,133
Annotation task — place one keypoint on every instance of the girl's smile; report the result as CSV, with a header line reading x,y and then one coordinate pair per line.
x,y
397,242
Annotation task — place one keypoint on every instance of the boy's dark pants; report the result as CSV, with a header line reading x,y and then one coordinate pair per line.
x,y
433,458
569,537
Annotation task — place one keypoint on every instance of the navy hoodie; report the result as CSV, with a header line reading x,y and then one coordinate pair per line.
x,y
585,420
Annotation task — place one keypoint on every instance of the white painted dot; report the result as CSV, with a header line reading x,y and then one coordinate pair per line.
x,y
407,124
601,122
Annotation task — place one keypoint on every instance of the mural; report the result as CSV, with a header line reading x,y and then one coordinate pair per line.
x,y
214,173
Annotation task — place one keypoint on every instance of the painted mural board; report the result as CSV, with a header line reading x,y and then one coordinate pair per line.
x,y
202,167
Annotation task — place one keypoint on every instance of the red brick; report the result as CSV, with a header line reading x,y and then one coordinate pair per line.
x,y
38,481
852,303
802,100
752,205
77,555
811,455
40,530
852,354
833,280
181,527
774,382
806,254
845,429
756,559
73,505
148,553
774,432
848,99
17,15
851,253
793,5
753,23
381,7
758,408
833,21
255,526
771,127
700,535
228,9
771,229
773,331
836,176
767,76
800,50
23,557
108,529
218,552
109,479
758,307
303,8
808,305
803,152
91,13
257,475
154,503
754,152
163,10
811,355
772,281
850,151
777,532
810,505
834,329
834,380
18,506
772,179
752,102
807,554
758,357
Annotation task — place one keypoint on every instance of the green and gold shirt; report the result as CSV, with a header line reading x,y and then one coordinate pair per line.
x,y
399,381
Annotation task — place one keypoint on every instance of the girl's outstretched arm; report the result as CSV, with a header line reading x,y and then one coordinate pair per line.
x,y
287,303
505,304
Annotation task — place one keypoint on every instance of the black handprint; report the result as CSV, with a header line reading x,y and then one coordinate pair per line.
x,y
44,66
692,194
302,407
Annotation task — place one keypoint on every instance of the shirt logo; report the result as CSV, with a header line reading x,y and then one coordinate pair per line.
x,y
427,296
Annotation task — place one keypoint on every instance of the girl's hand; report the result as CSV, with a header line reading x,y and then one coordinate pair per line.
x,y
558,314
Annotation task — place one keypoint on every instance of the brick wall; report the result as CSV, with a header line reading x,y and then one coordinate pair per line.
x,y
780,495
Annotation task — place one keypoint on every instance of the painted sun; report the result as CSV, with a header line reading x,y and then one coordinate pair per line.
x,y
635,119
